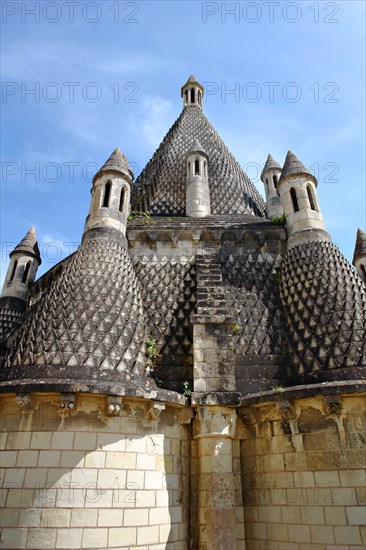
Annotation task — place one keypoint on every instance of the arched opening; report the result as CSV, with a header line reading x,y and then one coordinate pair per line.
x,y
26,272
311,198
186,96
362,267
192,96
199,97
189,168
275,180
197,167
205,169
122,199
107,193
295,204
13,271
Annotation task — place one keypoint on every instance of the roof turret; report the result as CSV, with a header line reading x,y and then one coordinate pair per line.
x,y
271,164
117,162
28,245
360,247
294,167
197,148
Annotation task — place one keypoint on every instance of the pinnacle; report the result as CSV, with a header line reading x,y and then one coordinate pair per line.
x,y
360,247
28,244
293,166
270,163
117,162
197,147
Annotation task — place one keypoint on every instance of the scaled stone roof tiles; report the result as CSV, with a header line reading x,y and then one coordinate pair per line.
x,y
161,186
324,304
90,318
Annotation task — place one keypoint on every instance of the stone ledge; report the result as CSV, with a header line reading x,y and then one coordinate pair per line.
x,y
304,391
231,399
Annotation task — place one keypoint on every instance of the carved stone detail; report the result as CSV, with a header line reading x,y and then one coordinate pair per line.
x,y
214,421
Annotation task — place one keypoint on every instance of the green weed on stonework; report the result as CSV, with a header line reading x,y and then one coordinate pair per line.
x,y
281,220
139,214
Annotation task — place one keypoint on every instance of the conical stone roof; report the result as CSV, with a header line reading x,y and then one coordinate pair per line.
x,y
294,167
270,164
89,327
360,248
29,245
197,148
161,186
324,305
117,162
192,80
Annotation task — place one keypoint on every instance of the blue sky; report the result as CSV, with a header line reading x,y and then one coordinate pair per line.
x,y
108,73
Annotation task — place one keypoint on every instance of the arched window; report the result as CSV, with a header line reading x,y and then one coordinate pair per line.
x,y
295,204
311,198
192,96
205,169
189,168
186,96
199,97
107,193
122,199
363,270
26,271
196,167
13,271
275,181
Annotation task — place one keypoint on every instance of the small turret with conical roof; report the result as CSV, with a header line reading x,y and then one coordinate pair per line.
x,y
197,190
297,190
359,256
192,93
111,192
270,176
24,262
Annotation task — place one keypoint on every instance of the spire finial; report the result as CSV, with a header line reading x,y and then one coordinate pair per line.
x,y
192,93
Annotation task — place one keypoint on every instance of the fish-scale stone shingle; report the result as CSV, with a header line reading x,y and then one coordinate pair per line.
x,y
324,305
90,324
161,186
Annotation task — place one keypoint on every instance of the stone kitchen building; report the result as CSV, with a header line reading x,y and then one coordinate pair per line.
x,y
193,376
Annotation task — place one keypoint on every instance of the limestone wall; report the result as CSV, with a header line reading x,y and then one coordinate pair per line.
x,y
303,465
78,478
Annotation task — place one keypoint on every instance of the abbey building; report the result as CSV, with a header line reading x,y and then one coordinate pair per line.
x,y
193,376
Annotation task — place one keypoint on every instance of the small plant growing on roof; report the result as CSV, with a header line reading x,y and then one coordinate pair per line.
x,y
186,389
236,328
152,355
143,215
280,220
279,389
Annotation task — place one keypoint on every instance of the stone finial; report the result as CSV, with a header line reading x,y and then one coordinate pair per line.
x,y
192,93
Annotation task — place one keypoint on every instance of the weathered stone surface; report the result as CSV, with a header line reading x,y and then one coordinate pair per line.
x,y
161,186
325,313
